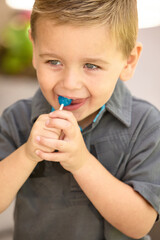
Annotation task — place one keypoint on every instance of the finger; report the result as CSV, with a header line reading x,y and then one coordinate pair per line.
x,y
54,157
58,123
43,147
53,144
67,127
42,118
52,131
65,121
41,128
66,115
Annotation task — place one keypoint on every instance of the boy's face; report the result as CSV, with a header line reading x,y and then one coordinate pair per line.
x,y
81,63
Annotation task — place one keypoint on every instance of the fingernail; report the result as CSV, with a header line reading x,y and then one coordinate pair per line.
x,y
38,138
37,152
47,122
51,114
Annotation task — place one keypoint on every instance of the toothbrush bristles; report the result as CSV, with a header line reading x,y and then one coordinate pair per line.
x,y
61,107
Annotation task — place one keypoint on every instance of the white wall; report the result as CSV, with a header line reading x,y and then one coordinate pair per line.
x,y
146,81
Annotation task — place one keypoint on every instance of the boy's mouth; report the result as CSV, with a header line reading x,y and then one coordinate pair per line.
x,y
75,104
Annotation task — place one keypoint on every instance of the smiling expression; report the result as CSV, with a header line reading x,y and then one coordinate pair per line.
x,y
81,63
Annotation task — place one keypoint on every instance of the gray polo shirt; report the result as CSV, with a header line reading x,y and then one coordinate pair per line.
x,y
125,138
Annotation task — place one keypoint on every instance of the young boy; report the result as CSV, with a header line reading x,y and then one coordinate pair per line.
x,y
90,171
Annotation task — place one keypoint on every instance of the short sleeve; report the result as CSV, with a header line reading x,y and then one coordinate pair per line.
x,y
14,128
7,144
143,168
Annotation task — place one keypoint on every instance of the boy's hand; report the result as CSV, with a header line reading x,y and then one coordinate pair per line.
x,y
40,131
72,152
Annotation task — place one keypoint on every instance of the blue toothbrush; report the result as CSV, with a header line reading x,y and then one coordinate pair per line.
x,y
63,101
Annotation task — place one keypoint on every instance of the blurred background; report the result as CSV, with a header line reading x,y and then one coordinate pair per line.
x,y
18,78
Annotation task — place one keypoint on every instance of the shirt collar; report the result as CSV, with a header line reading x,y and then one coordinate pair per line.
x,y
119,105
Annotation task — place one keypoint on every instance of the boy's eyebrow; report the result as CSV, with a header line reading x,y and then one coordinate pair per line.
x,y
87,60
96,60
48,55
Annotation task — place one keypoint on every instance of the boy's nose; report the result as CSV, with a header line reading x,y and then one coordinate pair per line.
x,y
72,79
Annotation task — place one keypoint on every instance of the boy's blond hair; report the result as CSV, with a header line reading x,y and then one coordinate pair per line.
x,y
120,17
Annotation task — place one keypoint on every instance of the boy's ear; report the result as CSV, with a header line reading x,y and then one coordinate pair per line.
x,y
32,41
130,65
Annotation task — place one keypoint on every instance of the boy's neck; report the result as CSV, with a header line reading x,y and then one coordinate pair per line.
x,y
87,121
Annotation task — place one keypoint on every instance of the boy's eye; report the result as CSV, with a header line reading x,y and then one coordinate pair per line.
x,y
91,66
54,62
